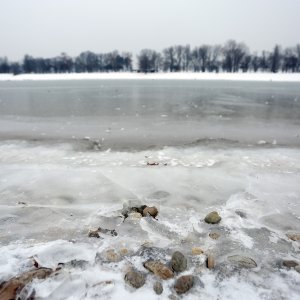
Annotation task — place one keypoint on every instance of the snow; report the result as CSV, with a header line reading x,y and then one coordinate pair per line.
x,y
278,77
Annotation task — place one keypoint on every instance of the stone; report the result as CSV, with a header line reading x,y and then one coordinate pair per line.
x,y
123,251
10,288
241,214
212,218
210,261
135,279
242,261
158,288
183,284
178,262
289,263
214,235
134,216
197,251
94,234
297,268
150,211
111,232
112,256
294,236
159,269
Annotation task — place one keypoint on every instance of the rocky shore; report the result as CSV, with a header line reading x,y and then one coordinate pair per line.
x,y
172,274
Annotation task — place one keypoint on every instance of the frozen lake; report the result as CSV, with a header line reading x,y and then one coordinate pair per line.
x,y
73,153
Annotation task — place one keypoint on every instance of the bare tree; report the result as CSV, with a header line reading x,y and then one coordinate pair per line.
x,y
233,55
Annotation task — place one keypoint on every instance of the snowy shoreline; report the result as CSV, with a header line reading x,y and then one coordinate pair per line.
x,y
277,77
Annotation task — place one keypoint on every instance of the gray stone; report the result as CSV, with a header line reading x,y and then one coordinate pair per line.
x,y
135,279
183,284
242,261
158,288
178,262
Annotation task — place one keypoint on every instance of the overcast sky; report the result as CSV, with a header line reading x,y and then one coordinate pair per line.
x,y
49,27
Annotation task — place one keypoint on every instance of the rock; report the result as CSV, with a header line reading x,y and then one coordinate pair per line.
x,y
10,288
289,263
152,211
159,269
210,261
111,232
94,234
197,251
134,216
293,236
297,268
152,163
242,261
135,279
112,256
214,235
123,251
241,214
178,262
158,288
212,218
183,284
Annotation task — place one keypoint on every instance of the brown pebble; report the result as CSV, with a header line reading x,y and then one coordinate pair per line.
x,y
289,263
152,211
210,262
197,251
159,269
293,236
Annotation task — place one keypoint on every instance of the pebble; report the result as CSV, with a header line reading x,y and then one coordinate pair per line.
x,y
212,218
242,261
293,236
135,279
94,234
197,251
210,262
11,287
134,216
289,263
178,262
183,284
214,235
158,288
112,256
159,269
152,211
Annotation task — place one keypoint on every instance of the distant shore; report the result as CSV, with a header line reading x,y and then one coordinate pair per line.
x,y
278,77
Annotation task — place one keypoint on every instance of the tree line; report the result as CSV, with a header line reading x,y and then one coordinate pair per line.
x,y
231,57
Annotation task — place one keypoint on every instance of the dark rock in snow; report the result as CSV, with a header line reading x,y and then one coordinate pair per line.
x,y
178,262
183,284
158,288
135,279
289,263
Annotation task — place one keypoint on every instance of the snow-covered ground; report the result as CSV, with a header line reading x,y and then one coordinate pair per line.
x,y
284,77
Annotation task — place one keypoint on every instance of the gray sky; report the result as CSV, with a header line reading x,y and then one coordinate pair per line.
x,y
49,27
